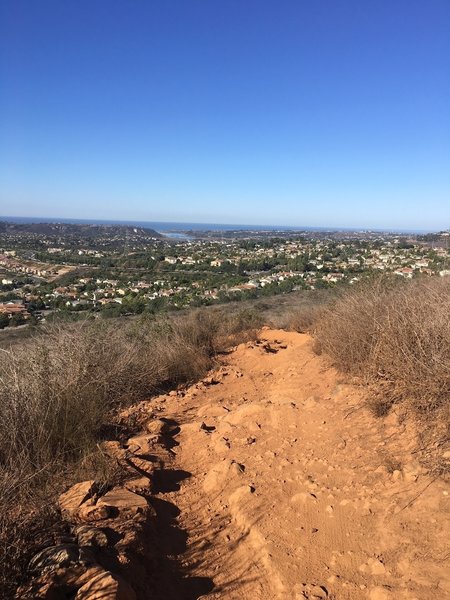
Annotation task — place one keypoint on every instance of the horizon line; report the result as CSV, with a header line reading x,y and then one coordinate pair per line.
x,y
94,221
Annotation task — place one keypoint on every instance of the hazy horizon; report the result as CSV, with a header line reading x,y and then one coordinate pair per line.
x,y
174,225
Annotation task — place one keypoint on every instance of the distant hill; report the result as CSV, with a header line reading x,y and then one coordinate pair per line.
x,y
78,230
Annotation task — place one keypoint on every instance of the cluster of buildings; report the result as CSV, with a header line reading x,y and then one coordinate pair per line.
x,y
204,270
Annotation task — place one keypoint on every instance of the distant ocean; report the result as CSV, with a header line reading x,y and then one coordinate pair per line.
x,y
165,226
173,227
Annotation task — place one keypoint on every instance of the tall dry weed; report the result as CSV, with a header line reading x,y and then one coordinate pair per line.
x,y
58,389
398,335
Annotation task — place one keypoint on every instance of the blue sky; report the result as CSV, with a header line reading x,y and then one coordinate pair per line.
x,y
318,112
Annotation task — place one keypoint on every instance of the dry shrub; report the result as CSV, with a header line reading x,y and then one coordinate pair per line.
x,y
395,334
413,347
23,531
305,318
348,328
57,390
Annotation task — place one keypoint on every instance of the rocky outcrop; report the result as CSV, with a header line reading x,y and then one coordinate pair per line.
x,y
112,530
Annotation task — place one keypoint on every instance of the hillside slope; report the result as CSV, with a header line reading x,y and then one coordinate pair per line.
x,y
288,488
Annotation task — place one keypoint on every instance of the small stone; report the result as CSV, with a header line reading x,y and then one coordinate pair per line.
x,y
207,428
237,468
396,475
211,380
376,566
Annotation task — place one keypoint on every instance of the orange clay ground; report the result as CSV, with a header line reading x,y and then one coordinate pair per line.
x,y
296,490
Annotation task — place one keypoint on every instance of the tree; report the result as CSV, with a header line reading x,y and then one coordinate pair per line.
x,y
17,320
4,321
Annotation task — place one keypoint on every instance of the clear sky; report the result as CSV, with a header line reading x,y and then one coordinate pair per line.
x,y
293,112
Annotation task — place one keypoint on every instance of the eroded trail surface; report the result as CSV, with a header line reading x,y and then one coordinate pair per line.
x,y
296,490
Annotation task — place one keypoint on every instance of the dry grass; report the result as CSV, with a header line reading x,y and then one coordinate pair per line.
x,y
305,318
398,337
57,391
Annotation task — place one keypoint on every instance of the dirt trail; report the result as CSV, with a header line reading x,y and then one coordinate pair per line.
x,y
296,491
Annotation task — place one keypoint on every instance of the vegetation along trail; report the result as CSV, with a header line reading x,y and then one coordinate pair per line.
x,y
296,490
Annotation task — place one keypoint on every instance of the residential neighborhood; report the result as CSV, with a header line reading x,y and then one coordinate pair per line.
x,y
122,270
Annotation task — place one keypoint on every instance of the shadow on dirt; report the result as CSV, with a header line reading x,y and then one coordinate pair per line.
x,y
170,580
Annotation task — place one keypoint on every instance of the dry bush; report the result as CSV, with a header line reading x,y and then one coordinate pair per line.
x,y
348,328
413,348
23,531
57,390
305,318
398,335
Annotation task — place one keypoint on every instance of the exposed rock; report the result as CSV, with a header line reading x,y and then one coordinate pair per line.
x,y
85,576
114,450
70,501
143,444
136,464
140,485
106,586
211,380
123,500
207,428
53,585
93,512
91,536
155,426
237,467
56,557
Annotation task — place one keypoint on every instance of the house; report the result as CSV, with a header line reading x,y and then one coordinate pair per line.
x,y
405,272
12,309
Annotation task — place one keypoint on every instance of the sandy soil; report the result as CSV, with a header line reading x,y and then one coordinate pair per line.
x,y
296,491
